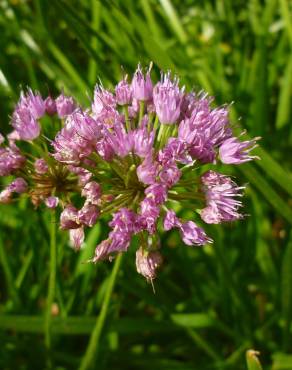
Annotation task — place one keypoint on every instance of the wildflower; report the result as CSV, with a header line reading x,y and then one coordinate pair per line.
x,y
131,155
65,105
52,202
25,117
221,197
41,167
76,238
123,92
50,105
19,185
92,192
232,151
167,98
142,85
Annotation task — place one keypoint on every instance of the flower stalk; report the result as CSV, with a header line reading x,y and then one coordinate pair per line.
x,y
89,358
52,281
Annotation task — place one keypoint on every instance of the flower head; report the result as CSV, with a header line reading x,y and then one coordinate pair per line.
x,y
134,155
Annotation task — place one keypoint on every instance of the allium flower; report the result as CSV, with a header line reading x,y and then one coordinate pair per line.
x,y
92,192
25,124
19,185
76,238
221,197
65,105
50,105
167,98
123,92
41,167
28,110
233,151
142,85
103,101
52,202
132,155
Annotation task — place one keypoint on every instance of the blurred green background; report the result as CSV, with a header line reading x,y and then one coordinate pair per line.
x,y
211,304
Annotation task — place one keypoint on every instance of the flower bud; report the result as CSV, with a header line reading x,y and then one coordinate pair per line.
x,y
147,263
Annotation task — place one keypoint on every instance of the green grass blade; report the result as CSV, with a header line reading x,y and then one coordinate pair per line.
x,y
269,193
286,292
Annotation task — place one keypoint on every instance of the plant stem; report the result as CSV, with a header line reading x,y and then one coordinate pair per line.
x,y
52,280
141,111
93,346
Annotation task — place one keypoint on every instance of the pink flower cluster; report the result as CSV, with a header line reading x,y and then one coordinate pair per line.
x,y
134,154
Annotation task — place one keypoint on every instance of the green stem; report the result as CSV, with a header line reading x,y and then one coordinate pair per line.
x,y
127,120
93,346
52,280
141,111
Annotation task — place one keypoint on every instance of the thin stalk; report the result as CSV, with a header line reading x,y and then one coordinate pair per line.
x,y
141,111
52,280
93,345
128,122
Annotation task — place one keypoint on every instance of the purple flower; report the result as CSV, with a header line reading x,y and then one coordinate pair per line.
x,y
124,221
65,105
88,215
188,104
147,263
77,138
167,98
19,185
50,105
103,99
40,166
193,235
76,237
52,202
142,86
170,174
221,193
25,124
102,251
157,192
171,220
104,149
123,92
69,218
149,214
205,130
92,192
35,104
175,150
233,151
147,171
120,141
10,160
143,142
110,246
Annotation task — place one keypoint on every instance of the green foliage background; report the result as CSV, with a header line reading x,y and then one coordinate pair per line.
x,y
211,304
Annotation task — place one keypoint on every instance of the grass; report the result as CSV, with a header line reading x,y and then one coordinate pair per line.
x,y
212,304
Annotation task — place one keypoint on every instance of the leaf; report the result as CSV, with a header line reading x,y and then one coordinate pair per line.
x,y
286,292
